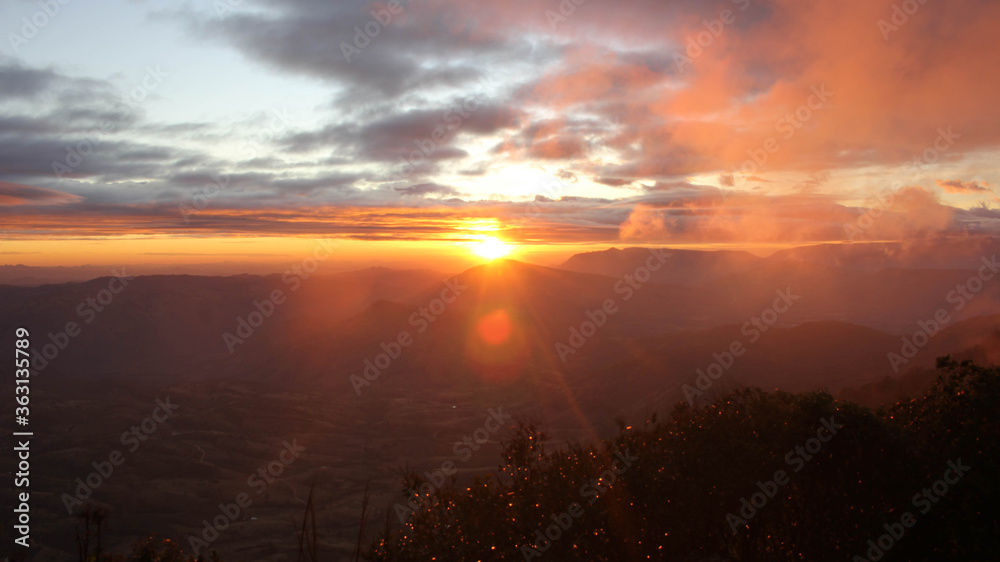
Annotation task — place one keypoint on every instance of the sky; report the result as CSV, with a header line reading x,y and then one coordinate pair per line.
x,y
220,130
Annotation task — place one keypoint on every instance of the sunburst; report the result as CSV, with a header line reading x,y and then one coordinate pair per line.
x,y
491,248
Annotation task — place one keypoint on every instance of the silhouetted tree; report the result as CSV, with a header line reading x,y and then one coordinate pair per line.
x,y
705,484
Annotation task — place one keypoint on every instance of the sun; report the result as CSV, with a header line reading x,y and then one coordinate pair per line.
x,y
491,248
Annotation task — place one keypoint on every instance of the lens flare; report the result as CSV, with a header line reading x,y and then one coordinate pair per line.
x,y
495,328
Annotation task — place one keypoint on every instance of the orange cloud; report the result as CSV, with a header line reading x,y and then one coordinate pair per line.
x,y
753,84
958,186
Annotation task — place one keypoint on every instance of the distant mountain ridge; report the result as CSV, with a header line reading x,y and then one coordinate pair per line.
x,y
156,315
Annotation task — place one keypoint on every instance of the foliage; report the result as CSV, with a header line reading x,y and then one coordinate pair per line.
x,y
689,476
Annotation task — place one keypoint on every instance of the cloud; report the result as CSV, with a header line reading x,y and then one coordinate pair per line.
x,y
410,138
579,220
603,94
913,213
451,91
420,48
73,128
425,189
15,194
20,82
958,186
758,81
613,182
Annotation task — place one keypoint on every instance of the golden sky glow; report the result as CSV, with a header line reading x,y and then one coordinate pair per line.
x,y
262,254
